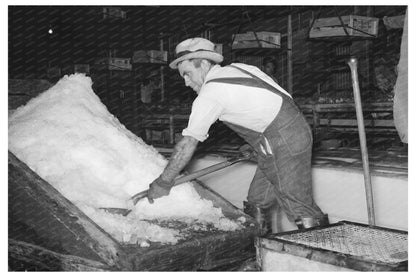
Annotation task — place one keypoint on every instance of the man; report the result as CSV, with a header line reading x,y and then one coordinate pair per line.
x,y
269,67
261,112
149,87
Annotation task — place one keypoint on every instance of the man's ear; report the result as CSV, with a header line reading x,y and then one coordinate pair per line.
x,y
206,65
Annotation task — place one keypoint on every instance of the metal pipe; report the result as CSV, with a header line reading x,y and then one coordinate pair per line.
x,y
289,55
162,75
353,64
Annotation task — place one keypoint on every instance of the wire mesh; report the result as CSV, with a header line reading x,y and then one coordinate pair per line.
x,y
360,241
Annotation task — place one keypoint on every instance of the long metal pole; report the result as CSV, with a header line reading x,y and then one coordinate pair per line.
x,y
162,75
289,54
353,64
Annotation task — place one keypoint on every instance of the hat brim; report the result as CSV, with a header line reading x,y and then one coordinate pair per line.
x,y
213,56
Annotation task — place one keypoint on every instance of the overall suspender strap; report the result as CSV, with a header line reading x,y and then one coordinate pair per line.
x,y
252,82
244,81
264,83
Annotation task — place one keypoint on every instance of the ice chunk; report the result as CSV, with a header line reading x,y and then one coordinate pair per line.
x,y
70,139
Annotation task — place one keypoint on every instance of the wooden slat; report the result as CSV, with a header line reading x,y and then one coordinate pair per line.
x,y
29,257
343,107
39,214
353,122
201,252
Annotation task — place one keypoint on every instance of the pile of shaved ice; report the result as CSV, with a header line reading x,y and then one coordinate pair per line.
x,y
68,137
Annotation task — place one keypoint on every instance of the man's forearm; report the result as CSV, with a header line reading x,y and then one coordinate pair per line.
x,y
182,154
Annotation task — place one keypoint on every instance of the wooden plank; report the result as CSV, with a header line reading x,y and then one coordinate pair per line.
x,y
39,214
353,122
29,257
203,251
342,107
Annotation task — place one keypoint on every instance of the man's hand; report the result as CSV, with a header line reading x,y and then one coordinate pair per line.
x,y
158,188
182,154
247,151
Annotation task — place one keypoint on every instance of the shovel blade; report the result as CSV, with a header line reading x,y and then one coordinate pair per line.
x,y
123,212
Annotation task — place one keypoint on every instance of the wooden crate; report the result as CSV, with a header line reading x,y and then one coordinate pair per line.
x,y
48,232
343,246
356,26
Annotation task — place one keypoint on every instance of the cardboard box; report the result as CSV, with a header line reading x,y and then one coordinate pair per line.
x,y
248,40
356,26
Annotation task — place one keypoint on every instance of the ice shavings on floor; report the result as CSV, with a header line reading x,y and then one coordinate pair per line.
x,y
70,139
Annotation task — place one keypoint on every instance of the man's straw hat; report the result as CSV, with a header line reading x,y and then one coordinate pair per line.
x,y
195,48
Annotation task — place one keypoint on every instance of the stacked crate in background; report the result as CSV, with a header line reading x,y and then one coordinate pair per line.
x,y
256,40
354,26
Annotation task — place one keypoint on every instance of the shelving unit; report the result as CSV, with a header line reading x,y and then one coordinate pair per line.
x,y
163,125
255,55
335,125
339,115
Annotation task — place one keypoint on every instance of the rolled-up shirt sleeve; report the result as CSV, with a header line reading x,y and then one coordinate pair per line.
x,y
205,111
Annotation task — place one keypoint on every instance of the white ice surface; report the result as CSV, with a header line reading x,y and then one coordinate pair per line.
x,y
68,137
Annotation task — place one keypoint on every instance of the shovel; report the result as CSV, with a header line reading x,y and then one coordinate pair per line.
x,y
183,179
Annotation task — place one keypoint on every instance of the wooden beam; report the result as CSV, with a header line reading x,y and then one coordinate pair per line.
x,y
29,257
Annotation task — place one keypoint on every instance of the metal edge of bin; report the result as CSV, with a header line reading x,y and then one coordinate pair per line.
x,y
324,255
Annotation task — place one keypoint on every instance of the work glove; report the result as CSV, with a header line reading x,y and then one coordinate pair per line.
x,y
248,151
158,188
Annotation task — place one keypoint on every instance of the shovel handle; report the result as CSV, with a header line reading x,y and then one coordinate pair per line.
x,y
197,174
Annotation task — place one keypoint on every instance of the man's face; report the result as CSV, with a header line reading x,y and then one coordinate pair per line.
x,y
194,76
269,68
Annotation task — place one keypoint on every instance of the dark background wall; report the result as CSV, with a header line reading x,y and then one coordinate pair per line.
x,y
83,34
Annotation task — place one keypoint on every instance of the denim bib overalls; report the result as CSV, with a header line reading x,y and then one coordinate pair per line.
x,y
284,152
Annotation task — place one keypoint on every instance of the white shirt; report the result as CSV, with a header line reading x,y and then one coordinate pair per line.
x,y
250,107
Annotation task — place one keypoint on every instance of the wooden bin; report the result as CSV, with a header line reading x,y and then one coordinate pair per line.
x,y
343,246
48,232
